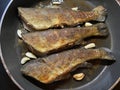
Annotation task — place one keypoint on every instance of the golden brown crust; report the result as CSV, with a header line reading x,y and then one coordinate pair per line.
x,y
44,18
50,68
48,41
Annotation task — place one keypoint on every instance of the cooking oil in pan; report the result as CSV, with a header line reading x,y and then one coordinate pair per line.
x,y
90,73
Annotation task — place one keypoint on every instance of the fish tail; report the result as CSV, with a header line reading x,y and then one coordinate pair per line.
x,y
102,29
107,54
101,12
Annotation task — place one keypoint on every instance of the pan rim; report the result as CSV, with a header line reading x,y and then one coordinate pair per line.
x,y
2,59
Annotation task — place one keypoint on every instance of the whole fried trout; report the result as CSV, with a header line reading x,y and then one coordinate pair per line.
x,y
49,41
45,18
57,66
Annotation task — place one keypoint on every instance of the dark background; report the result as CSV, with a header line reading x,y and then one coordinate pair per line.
x,y
5,82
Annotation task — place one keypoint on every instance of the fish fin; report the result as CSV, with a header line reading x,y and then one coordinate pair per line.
x,y
101,12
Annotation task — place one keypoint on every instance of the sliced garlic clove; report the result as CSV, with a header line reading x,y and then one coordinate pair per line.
x,y
74,8
24,60
57,2
30,55
79,26
79,76
19,33
87,24
62,26
91,45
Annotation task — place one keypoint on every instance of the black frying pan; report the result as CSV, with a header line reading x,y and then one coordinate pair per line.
x,y
102,79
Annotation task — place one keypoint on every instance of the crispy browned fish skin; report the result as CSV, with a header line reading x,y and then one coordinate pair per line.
x,y
48,41
54,67
44,18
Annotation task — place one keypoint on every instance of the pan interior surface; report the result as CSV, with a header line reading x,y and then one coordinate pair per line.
x,y
13,48
90,73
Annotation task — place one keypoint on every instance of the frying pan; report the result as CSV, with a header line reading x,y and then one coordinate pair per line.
x,y
10,52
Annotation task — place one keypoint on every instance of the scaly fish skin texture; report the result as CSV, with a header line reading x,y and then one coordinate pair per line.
x,y
53,67
45,18
48,41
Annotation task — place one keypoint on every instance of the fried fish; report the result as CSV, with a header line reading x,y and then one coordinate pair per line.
x,y
45,18
57,66
45,42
